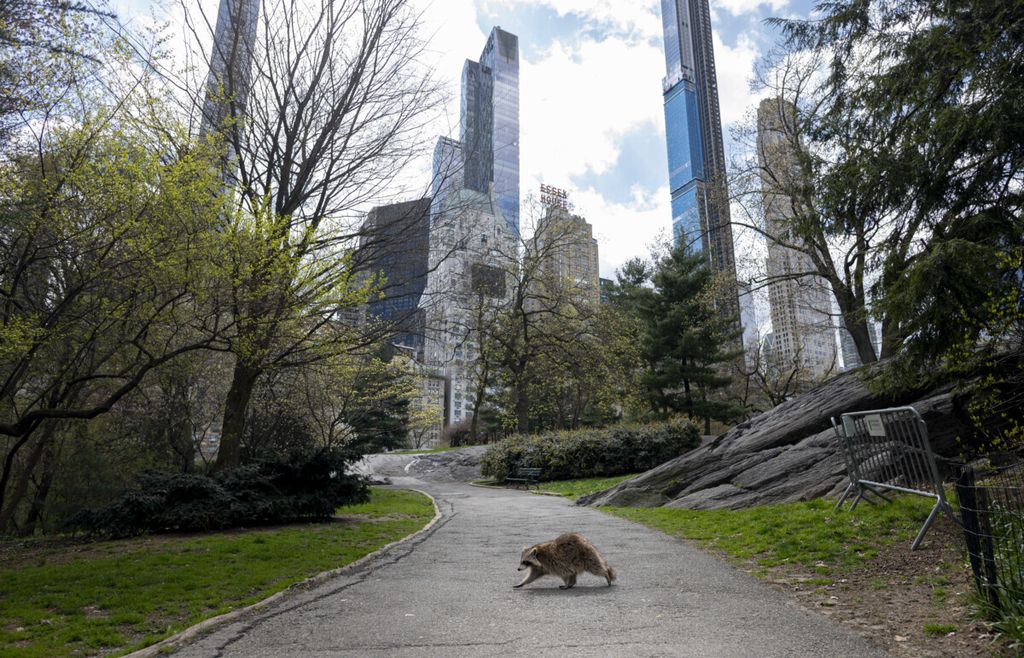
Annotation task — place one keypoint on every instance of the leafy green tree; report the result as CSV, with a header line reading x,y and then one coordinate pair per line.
x,y
329,122
687,344
905,183
593,380
104,274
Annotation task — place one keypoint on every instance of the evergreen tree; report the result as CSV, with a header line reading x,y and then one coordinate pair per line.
x,y
687,342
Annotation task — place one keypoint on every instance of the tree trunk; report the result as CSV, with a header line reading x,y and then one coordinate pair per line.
x,y
35,512
522,407
862,339
243,380
9,504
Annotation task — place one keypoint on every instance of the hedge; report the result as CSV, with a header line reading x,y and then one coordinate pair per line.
x,y
568,455
305,486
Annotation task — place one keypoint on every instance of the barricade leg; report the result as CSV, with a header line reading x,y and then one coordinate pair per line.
x,y
927,524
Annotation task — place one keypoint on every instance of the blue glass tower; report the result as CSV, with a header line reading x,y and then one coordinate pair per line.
x,y
489,123
693,131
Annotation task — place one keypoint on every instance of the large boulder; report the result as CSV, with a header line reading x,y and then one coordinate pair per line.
x,y
786,454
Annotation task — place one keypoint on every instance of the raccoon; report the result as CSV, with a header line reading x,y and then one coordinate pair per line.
x,y
566,557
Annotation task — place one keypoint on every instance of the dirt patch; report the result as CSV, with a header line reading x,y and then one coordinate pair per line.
x,y
913,603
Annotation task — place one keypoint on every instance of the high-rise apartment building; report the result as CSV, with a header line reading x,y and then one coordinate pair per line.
x,y
800,300
693,131
487,152
447,171
227,84
470,248
569,251
394,248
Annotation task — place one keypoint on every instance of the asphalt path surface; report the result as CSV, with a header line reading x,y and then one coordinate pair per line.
x,y
449,593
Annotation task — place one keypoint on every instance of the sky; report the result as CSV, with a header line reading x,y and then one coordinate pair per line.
x,y
591,115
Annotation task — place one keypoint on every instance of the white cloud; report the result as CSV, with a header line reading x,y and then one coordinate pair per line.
x,y
640,18
735,69
737,7
576,104
625,230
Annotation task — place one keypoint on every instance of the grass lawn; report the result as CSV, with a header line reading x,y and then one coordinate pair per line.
x,y
576,488
809,534
118,596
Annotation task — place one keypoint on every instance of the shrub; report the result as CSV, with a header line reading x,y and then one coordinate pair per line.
x,y
584,453
305,486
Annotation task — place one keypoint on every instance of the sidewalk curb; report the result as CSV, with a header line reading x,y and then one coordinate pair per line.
x,y
207,624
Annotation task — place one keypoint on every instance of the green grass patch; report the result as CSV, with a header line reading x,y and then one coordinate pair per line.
x,y
576,488
118,596
938,630
809,534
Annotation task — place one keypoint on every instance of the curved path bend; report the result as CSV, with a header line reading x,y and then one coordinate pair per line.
x,y
449,593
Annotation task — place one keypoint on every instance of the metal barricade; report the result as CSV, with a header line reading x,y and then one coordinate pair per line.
x,y
888,450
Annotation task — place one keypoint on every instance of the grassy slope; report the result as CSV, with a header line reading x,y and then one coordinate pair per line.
x,y
576,488
122,595
809,533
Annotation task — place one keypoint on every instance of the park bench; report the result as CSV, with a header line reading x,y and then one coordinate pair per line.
x,y
525,475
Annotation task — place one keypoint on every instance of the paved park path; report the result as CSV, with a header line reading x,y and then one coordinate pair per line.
x,y
449,593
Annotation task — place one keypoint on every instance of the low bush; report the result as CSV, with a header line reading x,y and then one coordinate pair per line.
x,y
586,453
305,486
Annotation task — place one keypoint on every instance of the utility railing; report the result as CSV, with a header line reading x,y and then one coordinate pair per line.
x,y
888,450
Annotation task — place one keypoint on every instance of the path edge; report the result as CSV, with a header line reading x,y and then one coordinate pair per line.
x,y
207,624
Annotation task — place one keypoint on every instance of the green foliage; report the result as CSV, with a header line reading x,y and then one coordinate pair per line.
x,y
381,421
686,340
303,486
591,380
583,453
118,596
923,101
938,630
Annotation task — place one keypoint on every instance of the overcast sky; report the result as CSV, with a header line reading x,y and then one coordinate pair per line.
x,y
591,115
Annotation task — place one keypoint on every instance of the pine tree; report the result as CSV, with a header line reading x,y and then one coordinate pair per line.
x,y
687,341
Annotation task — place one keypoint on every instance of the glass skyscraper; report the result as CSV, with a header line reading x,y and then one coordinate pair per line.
x,y
488,127
693,131
230,62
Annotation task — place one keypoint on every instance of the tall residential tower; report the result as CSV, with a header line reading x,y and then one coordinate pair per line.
x,y
487,152
693,131
801,301
228,81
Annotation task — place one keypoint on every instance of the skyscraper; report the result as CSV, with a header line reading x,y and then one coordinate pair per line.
x,y
693,131
488,150
447,172
394,247
801,301
569,268
227,83
464,286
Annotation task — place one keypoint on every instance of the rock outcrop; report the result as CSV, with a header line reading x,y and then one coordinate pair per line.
x,y
786,454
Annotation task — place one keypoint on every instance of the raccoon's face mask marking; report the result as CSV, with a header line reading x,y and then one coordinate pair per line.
x,y
529,559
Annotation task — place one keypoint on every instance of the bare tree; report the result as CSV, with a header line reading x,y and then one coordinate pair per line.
x,y
336,107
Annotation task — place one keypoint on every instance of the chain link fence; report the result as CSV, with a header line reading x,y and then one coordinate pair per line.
x,y
991,503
